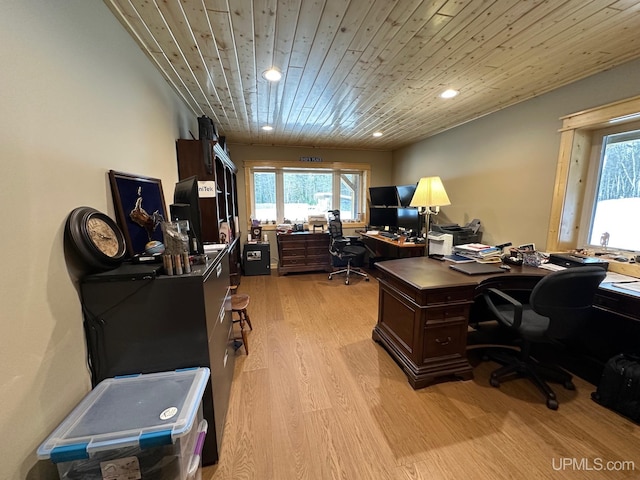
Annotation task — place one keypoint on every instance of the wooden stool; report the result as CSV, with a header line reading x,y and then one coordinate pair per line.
x,y
239,304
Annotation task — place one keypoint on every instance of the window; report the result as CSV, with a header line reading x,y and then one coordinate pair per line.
x,y
292,192
614,190
264,185
306,193
589,140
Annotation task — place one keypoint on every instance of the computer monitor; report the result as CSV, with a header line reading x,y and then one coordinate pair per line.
x,y
186,206
383,217
408,218
383,196
405,194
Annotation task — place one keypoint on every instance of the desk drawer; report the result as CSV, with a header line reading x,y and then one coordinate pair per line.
x,y
450,313
450,295
624,305
293,252
318,259
317,250
318,239
293,261
445,339
288,243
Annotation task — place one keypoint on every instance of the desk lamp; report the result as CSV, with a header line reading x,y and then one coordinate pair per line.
x,y
429,193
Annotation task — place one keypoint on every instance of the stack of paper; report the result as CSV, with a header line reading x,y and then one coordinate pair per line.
x,y
477,251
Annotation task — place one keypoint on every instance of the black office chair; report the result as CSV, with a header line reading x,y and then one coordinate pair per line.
x,y
346,250
557,307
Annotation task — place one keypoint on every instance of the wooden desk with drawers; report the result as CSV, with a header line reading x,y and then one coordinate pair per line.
x,y
423,313
424,310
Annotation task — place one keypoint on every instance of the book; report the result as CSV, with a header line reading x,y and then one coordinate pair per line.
x,y
458,258
475,247
489,259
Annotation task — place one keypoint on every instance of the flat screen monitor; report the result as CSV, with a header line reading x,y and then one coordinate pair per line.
x,y
405,194
383,217
383,196
186,206
408,218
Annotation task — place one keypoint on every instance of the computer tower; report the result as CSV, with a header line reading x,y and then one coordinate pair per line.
x,y
256,259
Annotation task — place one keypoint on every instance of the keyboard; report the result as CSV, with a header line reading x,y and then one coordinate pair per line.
x,y
389,235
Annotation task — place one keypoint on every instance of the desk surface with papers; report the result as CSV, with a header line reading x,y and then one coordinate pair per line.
x,y
388,248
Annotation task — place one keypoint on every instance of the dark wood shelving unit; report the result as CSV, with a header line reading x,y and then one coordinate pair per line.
x,y
208,161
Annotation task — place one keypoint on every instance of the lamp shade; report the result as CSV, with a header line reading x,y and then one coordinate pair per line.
x,y
430,193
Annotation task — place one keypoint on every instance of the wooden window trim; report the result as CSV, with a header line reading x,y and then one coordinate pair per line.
x,y
249,165
572,172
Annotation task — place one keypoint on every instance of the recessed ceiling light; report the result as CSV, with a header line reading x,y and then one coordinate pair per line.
x,y
377,134
267,128
273,74
450,93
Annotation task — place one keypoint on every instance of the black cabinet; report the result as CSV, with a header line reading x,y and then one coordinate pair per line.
x,y
163,323
256,259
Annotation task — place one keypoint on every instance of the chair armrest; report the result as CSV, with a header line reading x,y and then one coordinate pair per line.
x,y
338,244
355,240
517,307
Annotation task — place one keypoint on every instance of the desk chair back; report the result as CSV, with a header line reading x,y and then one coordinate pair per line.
x,y
335,225
566,298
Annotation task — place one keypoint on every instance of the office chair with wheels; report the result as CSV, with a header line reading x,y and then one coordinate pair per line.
x,y
347,250
557,307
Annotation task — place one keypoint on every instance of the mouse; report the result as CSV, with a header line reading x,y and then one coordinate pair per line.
x,y
505,267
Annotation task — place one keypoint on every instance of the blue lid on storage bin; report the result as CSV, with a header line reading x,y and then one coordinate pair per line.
x,y
140,410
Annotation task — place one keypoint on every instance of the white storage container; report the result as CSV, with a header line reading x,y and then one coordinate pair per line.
x,y
134,427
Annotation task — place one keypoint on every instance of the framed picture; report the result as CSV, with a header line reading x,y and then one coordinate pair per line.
x,y
140,209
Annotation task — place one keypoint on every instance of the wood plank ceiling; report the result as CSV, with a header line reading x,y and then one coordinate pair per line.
x,y
354,67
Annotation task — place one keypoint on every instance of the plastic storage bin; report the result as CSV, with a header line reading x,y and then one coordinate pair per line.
x,y
134,427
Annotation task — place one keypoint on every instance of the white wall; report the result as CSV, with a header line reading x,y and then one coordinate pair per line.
x,y
77,98
501,168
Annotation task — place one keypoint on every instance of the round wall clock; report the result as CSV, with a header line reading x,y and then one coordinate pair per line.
x,y
96,238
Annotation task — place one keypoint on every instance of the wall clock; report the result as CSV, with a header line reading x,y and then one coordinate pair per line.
x,y
96,238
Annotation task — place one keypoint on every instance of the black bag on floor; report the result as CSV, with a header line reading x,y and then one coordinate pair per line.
x,y
619,387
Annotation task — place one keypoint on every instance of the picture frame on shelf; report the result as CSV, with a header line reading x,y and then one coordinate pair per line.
x,y
256,234
140,209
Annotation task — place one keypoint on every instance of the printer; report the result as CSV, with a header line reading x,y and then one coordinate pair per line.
x,y
468,234
440,243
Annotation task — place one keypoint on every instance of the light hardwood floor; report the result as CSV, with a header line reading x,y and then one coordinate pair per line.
x,y
318,399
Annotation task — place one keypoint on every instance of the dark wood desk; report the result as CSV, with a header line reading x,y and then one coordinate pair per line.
x,y
424,310
386,248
